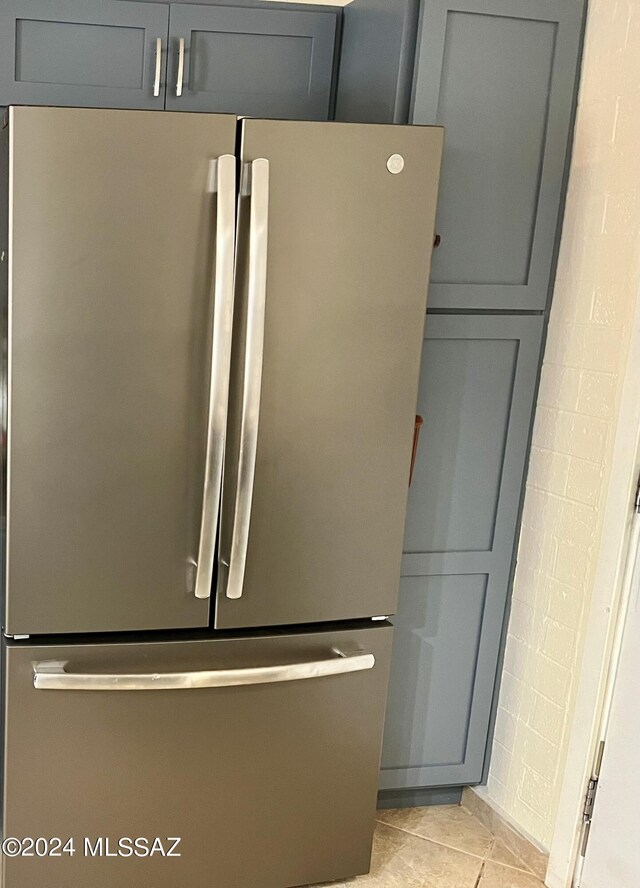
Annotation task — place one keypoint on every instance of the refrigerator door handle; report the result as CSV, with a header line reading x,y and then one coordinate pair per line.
x,y
225,186
52,676
258,188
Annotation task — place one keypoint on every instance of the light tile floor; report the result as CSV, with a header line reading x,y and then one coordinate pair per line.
x,y
439,847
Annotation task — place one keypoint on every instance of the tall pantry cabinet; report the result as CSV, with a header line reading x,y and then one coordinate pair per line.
x,y
501,77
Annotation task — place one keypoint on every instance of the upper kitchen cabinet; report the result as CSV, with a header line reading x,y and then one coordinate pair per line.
x,y
96,53
257,62
500,76
377,47
252,62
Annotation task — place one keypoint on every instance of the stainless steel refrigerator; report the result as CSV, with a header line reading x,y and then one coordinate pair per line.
x,y
213,331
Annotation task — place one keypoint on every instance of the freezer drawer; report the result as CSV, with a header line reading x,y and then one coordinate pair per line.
x,y
269,781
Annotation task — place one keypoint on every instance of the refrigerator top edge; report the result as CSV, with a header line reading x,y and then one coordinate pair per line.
x,y
12,109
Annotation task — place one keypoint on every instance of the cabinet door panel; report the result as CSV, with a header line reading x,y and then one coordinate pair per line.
x,y
252,62
477,385
377,46
437,632
96,53
453,501
499,75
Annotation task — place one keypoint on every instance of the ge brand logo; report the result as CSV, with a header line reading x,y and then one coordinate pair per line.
x,y
395,164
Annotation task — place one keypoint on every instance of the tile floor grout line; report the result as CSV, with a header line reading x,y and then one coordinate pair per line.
x,y
480,874
528,870
518,869
484,858
494,839
433,841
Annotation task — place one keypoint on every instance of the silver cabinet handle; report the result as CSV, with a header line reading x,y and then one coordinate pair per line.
x,y
250,413
156,80
225,187
180,77
52,676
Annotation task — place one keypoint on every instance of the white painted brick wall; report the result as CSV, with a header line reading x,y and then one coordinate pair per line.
x,y
597,282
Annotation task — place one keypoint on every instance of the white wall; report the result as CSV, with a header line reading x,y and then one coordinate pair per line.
x,y
578,407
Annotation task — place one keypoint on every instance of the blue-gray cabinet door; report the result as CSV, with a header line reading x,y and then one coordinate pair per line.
x,y
500,76
477,385
251,62
88,53
376,61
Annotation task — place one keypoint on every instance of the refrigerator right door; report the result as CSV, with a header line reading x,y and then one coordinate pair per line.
x,y
335,232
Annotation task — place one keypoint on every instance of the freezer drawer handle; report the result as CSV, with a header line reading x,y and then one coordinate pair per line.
x,y
225,186
256,306
51,676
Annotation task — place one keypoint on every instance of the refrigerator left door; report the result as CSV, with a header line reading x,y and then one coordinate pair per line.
x,y
268,782
113,219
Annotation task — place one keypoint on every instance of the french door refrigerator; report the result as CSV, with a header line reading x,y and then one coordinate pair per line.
x,y
213,331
